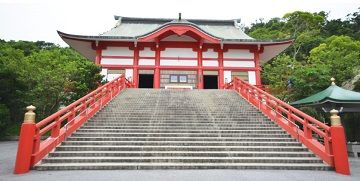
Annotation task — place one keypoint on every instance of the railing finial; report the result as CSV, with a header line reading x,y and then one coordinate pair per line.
x,y
332,81
335,118
30,114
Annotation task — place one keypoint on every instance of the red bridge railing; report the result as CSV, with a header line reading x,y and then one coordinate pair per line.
x,y
326,142
61,124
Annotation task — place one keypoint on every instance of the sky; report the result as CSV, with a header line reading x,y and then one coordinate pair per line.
x,y
34,20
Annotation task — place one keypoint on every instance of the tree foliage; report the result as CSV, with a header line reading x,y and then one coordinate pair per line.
x,y
41,74
322,49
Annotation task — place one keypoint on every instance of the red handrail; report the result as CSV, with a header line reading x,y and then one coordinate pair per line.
x,y
299,125
33,149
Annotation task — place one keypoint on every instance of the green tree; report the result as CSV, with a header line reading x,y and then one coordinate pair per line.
x,y
58,77
11,87
341,53
278,75
309,79
305,28
349,27
41,74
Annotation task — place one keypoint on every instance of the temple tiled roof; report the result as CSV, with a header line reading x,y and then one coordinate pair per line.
x,y
130,29
137,27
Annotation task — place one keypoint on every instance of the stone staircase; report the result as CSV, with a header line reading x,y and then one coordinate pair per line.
x,y
180,129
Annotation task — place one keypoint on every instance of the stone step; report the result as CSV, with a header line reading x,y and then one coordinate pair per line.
x,y
143,124
184,121
179,128
251,134
182,160
131,115
147,138
178,148
177,111
207,153
146,166
180,143
188,131
173,129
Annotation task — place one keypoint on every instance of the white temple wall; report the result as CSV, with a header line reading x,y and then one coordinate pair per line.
x,y
117,51
129,74
252,77
179,52
211,63
176,62
227,76
104,74
234,63
239,53
117,61
110,75
147,52
146,61
210,53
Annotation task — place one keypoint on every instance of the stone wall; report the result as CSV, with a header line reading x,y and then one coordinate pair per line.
x,y
165,78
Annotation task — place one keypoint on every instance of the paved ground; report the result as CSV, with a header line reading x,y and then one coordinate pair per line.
x,y
8,152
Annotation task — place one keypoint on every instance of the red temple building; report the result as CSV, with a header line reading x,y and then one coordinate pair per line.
x,y
117,128
163,53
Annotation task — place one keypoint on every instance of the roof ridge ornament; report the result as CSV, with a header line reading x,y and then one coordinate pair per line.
x,y
119,21
237,23
333,81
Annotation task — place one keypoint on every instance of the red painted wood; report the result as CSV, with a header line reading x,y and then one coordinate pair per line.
x,y
98,56
163,67
200,82
179,29
117,57
25,148
136,68
150,58
340,150
333,151
221,69
157,69
162,58
32,149
258,68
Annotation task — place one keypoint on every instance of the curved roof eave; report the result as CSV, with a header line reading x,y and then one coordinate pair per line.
x,y
274,47
95,38
122,38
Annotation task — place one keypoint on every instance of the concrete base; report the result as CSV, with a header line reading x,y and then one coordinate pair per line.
x,y
353,149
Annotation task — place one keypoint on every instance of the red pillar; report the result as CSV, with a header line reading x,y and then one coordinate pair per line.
x,y
339,149
257,67
98,55
136,67
221,68
157,69
200,83
25,148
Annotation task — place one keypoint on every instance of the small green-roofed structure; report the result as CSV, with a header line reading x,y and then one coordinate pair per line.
x,y
334,97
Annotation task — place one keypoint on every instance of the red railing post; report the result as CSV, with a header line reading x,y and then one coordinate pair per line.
x,y
56,129
123,83
333,150
290,120
26,142
31,149
307,130
235,85
339,149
